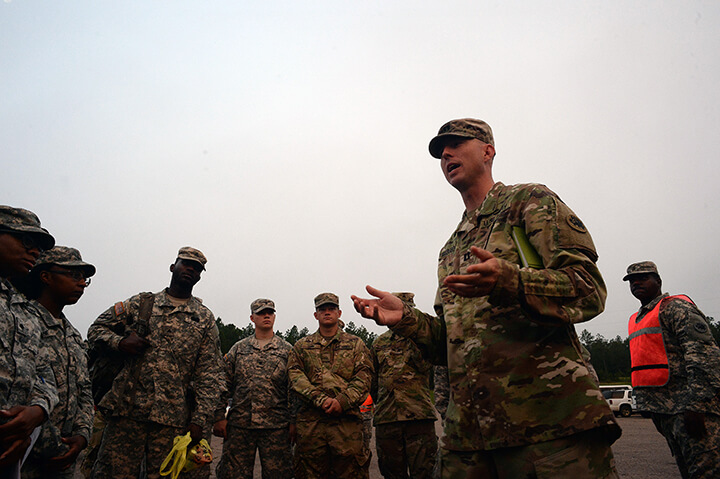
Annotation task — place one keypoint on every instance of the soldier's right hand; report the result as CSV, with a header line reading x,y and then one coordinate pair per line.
x,y
14,451
386,310
134,344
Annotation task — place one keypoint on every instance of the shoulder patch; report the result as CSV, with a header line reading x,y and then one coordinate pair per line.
x,y
120,308
576,224
700,327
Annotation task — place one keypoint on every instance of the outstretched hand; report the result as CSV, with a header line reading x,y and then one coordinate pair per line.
x,y
480,278
386,310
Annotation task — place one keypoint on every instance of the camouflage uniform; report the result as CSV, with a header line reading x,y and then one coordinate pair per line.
x,y
404,414
441,389
340,368
26,378
259,418
516,373
73,415
148,402
694,385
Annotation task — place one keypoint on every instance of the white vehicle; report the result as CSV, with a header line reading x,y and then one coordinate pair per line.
x,y
620,398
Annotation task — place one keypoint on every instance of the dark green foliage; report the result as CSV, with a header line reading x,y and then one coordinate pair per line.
x,y
230,334
611,358
361,332
293,334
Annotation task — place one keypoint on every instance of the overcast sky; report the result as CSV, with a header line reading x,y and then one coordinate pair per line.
x,y
288,139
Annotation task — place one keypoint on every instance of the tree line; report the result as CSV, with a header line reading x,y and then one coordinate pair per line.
x,y
610,357
230,334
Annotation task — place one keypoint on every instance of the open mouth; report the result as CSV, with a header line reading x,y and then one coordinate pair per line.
x,y
452,166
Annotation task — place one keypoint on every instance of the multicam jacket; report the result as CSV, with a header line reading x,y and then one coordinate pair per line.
x,y
401,384
516,373
26,378
73,416
185,349
257,383
339,367
693,358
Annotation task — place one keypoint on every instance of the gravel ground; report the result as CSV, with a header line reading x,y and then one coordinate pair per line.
x,y
641,452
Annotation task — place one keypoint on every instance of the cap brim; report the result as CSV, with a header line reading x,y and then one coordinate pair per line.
x,y
327,302
184,258
437,144
41,235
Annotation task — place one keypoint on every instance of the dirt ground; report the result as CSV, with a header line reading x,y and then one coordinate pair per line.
x,y
641,452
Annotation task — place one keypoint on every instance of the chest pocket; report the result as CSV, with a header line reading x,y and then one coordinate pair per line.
x,y
180,335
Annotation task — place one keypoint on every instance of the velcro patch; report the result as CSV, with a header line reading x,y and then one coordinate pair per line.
x,y
576,224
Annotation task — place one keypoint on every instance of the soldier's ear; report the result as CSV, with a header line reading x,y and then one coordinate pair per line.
x,y
172,267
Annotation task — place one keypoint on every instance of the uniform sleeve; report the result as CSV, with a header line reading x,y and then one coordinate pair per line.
x,y
228,365
428,332
299,382
82,425
108,330
358,387
699,351
209,377
570,288
44,391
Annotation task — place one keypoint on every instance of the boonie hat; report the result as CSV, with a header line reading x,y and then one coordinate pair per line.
x,y
192,254
326,298
641,268
65,256
465,128
261,304
24,221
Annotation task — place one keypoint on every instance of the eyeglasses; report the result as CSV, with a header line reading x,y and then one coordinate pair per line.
x,y
28,241
76,275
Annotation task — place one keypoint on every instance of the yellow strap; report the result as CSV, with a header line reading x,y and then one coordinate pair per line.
x,y
177,456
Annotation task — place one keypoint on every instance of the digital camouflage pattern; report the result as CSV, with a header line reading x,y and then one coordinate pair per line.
x,y
514,362
401,384
257,384
25,221
65,256
641,268
697,458
185,349
406,449
441,387
26,378
126,442
259,418
73,415
693,358
340,368
191,254
238,454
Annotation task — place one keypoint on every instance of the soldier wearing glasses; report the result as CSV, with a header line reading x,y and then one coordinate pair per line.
x,y
59,279
27,385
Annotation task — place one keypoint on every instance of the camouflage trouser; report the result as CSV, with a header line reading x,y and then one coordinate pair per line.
x,y
126,442
331,448
367,418
238,454
695,458
586,455
88,456
202,472
406,446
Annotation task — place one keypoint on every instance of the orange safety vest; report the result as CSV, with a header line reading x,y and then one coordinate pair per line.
x,y
648,357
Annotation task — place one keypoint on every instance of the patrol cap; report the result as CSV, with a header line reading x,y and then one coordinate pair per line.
x,y
464,128
192,254
406,297
18,220
65,256
326,298
641,268
261,304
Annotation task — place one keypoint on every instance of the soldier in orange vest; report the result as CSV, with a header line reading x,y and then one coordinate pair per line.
x,y
675,369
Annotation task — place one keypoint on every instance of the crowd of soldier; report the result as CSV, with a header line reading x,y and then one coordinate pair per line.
x,y
518,397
